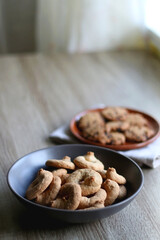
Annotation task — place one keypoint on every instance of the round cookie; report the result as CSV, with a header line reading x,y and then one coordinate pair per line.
x,y
90,119
138,134
136,119
95,133
114,113
89,180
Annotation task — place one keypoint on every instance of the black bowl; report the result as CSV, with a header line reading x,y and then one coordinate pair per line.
x,y
23,171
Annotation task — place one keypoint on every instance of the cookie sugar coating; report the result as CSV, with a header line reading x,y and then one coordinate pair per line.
x,y
89,180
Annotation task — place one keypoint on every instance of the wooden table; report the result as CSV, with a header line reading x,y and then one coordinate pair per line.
x,y
39,93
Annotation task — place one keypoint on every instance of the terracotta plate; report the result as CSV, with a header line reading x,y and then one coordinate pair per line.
x,y
153,123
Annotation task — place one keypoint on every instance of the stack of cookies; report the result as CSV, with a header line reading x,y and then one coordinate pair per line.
x,y
114,125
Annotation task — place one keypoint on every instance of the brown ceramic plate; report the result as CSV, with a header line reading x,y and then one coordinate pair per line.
x,y
153,123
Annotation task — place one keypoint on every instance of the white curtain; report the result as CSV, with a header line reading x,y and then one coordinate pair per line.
x,y
90,25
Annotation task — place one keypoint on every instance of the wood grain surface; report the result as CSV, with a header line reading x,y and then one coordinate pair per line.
x,y
39,93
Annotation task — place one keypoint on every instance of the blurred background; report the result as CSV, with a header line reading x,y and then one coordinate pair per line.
x,y
78,25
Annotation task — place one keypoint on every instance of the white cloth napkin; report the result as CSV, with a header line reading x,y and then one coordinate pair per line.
x,y
149,155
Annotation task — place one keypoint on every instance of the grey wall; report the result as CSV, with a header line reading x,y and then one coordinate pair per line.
x,y
17,26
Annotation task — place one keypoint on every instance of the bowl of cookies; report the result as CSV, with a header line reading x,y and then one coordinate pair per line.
x,y
75,183
117,128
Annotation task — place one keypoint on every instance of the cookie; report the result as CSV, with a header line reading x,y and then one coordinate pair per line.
x,y
97,198
50,193
136,119
63,163
39,185
122,192
90,119
96,133
116,126
116,138
112,189
138,134
114,113
68,197
88,161
89,180
113,175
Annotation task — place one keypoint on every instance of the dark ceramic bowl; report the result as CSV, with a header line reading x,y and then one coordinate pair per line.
x,y
23,171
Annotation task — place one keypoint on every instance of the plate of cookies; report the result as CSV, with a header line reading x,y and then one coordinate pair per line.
x,y
118,128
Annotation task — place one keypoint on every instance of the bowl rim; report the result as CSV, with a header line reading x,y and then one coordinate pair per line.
x,y
128,199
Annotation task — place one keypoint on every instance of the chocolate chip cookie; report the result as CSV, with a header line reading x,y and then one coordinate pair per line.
x,y
116,138
90,119
138,134
115,113
136,119
116,126
95,133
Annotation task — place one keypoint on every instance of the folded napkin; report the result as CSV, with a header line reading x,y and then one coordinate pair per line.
x,y
149,155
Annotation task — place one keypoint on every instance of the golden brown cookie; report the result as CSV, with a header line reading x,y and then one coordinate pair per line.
x,y
59,172
138,134
50,193
116,138
68,198
88,161
115,113
136,119
112,126
90,119
64,163
89,180
42,181
113,175
122,192
102,173
97,198
95,133
112,189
